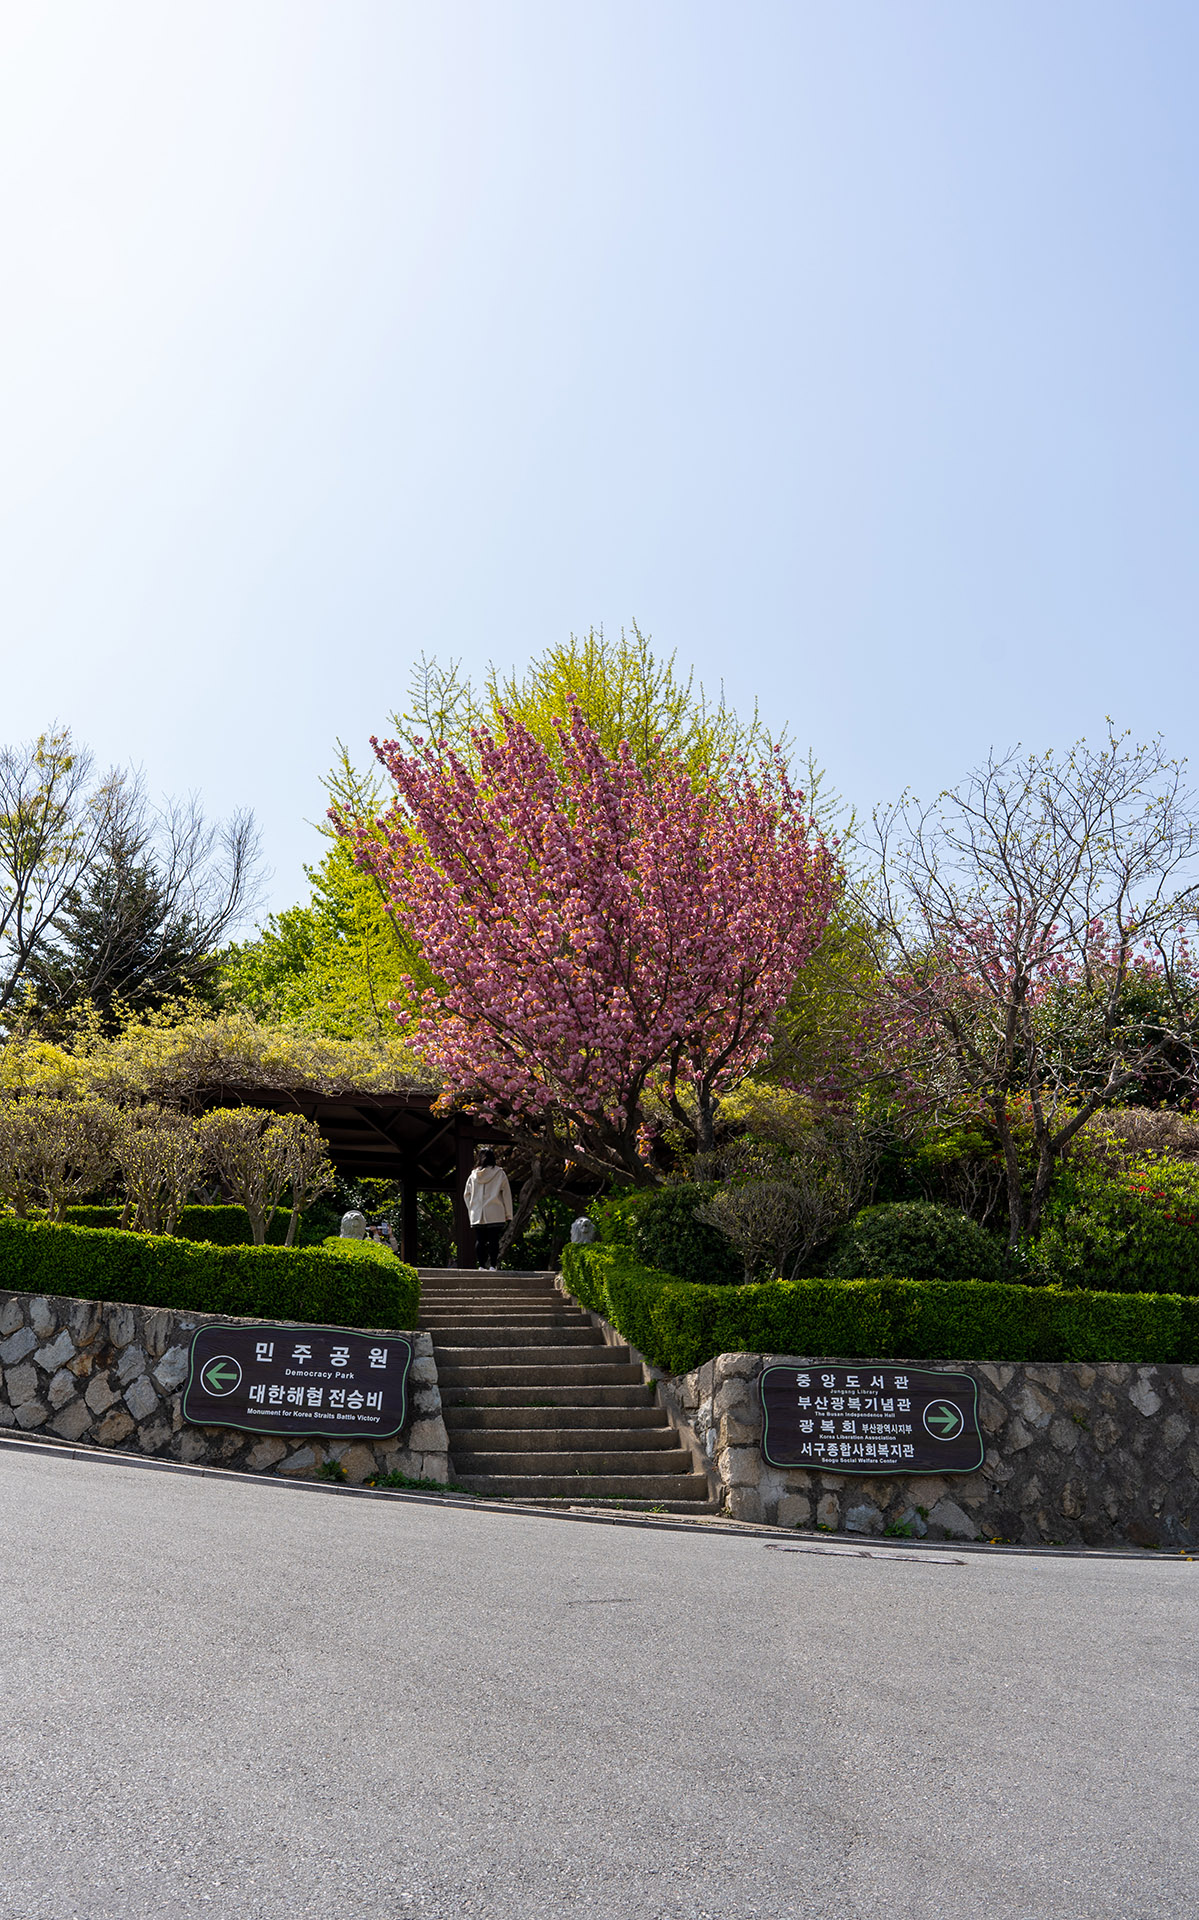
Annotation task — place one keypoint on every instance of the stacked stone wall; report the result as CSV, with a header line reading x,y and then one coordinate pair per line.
x,y
1103,1455
104,1374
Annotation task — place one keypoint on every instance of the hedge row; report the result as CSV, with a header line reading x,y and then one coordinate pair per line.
x,y
677,1325
316,1285
216,1226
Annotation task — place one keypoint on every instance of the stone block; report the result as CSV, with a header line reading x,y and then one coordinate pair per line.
x,y
141,1398
171,1370
1105,1432
400,1460
828,1511
266,1453
15,1348
42,1317
794,1510
61,1389
20,1384
992,1414
117,1427
428,1436
1142,1394
359,1463
1064,1435
731,1396
131,1363
999,1376
427,1400
740,1432
83,1318
157,1331
122,1325
154,1435
435,1466
99,1395
863,1519
739,1466
31,1414
745,1503
924,1490
303,1462
423,1371
193,1447
7,1417
57,1353
1017,1437
737,1365
911,1517
12,1316
948,1516
1033,1406
73,1422
1175,1431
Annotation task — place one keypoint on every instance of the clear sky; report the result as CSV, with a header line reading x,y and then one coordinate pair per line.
x,y
848,349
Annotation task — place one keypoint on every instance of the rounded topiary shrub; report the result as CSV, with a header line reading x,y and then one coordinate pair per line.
x,y
659,1223
915,1240
668,1236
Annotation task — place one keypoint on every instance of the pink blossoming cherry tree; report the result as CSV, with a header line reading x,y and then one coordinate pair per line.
x,y
607,939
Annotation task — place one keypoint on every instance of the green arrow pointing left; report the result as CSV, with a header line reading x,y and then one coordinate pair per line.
x,y
220,1376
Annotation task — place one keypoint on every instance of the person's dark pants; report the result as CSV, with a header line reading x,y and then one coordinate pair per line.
x,y
487,1243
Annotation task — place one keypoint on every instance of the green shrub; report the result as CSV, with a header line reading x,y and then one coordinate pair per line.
x,y
1132,1231
659,1223
915,1240
678,1327
314,1285
217,1226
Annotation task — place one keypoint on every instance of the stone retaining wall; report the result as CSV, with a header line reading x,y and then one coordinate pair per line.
x,y
1103,1455
105,1374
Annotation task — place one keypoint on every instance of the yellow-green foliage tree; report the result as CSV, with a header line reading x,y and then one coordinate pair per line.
x,y
333,966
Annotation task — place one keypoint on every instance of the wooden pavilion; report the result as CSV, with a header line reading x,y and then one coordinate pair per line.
x,y
392,1136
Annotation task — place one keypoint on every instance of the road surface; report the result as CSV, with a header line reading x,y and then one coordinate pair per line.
x,y
236,1698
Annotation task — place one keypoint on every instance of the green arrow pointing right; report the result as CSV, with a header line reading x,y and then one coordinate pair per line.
x,y
946,1418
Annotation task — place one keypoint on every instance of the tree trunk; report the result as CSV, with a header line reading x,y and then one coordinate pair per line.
x,y
531,1191
1011,1164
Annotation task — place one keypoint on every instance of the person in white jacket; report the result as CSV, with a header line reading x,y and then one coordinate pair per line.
x,y
489,1203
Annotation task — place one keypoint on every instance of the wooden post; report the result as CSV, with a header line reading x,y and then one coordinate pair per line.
x,y
409,1248
464,1233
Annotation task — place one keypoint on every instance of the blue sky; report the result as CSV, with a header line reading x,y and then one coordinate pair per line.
x,y
848,349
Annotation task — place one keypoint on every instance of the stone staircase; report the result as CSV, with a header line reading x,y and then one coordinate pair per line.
x,y
538,1407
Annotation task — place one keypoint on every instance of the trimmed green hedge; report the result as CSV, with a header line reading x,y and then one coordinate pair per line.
x,y
215,1226
678,1326
310,1284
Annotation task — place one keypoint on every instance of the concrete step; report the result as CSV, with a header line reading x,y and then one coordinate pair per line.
x,y
582,1440
501,1338
565,1461
490,1286
516,1353
645,1422
691,1488
577,1395
551,1379
447,1276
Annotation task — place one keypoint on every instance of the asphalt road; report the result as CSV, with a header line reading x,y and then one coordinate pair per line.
x,y
252,1700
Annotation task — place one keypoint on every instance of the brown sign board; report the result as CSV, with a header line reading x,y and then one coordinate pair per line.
x,y
292,1380
870,1419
